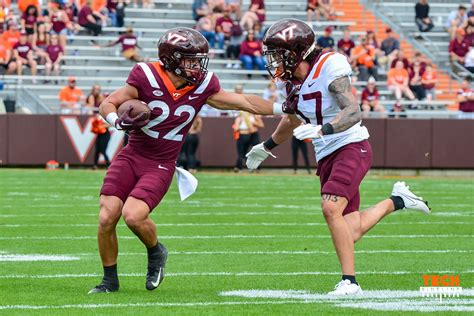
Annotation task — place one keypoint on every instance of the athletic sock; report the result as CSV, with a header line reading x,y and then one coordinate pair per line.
x,y
397,202
110,277
351,278
155,253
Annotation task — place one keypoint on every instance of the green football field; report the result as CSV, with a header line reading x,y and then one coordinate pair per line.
x,y
253,244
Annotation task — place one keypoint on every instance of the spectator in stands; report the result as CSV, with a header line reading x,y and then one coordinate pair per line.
x,y
320,7
401,57
71,98
469,29
397,81
28,22
256,13
206,27
469,60
422,19
99,9
418,57
251,53
363,58
60,23
24,4
4,9
428,79
5,57
23,55
41,40
299,145
233,49
259,31
346,44
235,7
111,7
130,45
390,47
465,99
53,57
455,20
415,80
93,100
200,9
88,20
12,35
100,128
271,93
458,48
224,28
326,42
370,100
120,12
245,125
372,40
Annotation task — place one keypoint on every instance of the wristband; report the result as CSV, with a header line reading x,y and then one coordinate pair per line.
x,y
327,129
278,108
112,118
270,144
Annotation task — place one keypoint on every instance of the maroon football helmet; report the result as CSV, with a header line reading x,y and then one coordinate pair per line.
x,y
183,51
286,44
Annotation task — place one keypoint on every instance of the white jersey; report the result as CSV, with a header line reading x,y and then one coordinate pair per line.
x,y
317,106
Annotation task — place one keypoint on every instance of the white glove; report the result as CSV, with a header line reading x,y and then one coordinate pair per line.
x,y
307,131
256,155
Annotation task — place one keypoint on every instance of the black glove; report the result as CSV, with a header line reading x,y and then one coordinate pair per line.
x,y
127,123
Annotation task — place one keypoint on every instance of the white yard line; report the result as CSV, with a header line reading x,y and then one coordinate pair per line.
x,y
234,237
36,257
229,224
230,274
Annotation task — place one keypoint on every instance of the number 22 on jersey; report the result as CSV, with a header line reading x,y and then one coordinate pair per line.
x,y
174,133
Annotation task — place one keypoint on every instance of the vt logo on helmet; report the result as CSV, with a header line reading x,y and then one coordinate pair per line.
x,y
183,51
286,44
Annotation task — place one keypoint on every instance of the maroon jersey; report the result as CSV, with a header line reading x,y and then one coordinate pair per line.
x,y
58,24
370,96
30,20
226,24
22,49
83,14
172,111
128,41
466,106
346,46
53,52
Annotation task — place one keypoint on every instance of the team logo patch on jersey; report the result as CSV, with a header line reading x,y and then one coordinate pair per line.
x,y
157,93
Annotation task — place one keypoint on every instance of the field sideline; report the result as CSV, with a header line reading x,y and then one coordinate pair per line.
x,y
243,244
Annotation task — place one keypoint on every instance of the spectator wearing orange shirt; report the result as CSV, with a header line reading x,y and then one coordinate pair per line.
x,y
5,56
100,128
363,57
12,35
71,98
397,80
428,80
24,4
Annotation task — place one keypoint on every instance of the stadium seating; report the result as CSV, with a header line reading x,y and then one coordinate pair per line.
x,y
108,68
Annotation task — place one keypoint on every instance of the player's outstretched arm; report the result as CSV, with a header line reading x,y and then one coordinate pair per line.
x,y
340,89
223,100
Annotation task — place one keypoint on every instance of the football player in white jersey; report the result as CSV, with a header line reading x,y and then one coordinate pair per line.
x,y
318,92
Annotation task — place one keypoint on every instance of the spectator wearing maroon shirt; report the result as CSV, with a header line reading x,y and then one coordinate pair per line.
x,y
458,48
370,100
28,21
54,57
465,99
224,28
23,55
129,45
401,57
60,23
415,74
256,13
88,20
346,44
251,53
418,57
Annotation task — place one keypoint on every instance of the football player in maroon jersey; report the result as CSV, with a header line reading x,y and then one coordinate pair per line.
x,y
175,89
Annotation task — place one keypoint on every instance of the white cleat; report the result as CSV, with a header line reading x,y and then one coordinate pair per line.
x,y
345,287
410,200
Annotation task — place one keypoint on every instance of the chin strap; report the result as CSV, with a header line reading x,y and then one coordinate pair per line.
x,y
310,50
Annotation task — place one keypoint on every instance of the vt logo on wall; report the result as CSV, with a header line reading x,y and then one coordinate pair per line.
x,y
83,140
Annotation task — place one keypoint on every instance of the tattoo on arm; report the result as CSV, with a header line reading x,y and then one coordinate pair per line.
x,y
340,89
329,197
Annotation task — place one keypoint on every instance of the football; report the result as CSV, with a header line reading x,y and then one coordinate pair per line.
x,y
138,107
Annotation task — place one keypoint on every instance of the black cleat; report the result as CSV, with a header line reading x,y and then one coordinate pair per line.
x,y
156,268
103,288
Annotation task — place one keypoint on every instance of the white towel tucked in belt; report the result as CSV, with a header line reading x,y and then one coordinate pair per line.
x,y
187,183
